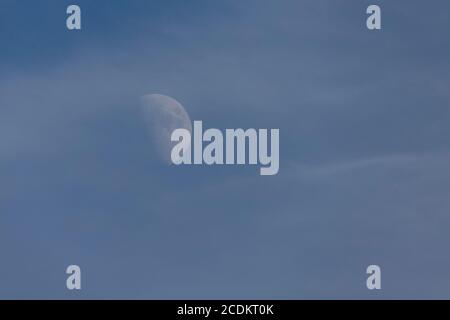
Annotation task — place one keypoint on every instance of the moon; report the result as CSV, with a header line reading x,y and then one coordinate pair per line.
x,y
163,115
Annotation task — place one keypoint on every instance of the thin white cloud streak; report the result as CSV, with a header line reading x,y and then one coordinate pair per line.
x,y
328,170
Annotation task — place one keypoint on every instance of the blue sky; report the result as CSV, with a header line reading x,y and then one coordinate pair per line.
x,y
364,157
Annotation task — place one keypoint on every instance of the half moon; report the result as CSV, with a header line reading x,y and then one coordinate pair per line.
x,y
163,115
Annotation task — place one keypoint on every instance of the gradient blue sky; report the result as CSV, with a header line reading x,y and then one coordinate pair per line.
x,y
365,150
